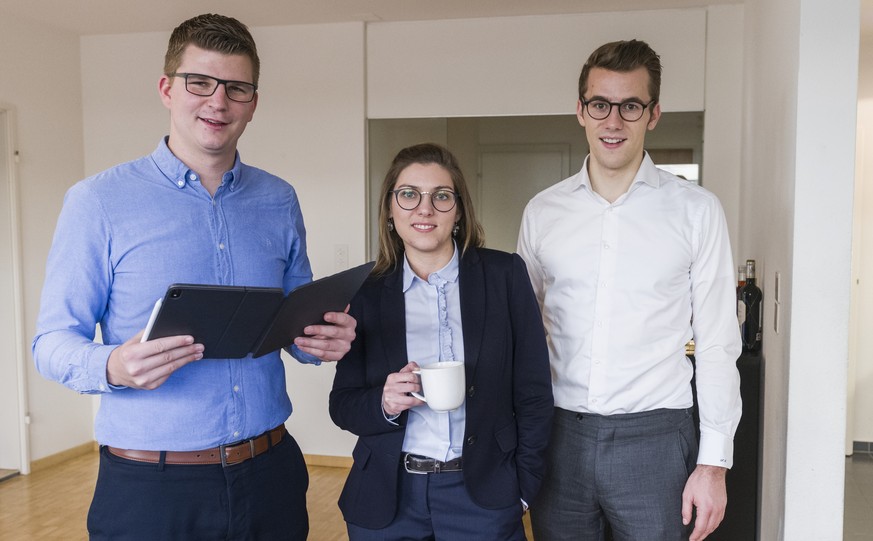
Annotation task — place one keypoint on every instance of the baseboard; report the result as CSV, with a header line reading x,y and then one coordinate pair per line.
x,y
862,446
63,456
329,461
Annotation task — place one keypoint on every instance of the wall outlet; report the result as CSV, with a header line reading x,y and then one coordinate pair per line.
x,y
340,257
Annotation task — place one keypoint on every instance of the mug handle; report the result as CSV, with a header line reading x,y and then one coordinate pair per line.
x,y
415,394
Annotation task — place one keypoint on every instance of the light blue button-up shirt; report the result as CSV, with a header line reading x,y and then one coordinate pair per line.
x,y
122,237
434,333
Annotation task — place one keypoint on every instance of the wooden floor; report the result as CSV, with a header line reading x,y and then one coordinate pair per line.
x,y
52,503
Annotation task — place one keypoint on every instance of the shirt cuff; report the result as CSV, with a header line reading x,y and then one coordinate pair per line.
x,y
98,378
303,357
391,418
715,450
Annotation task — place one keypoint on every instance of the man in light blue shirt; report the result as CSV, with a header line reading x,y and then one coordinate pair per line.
x,y
190,447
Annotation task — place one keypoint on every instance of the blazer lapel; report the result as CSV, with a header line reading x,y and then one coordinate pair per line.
x,y
472,293
393,320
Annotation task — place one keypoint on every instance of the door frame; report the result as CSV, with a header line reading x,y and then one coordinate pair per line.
x,y
12,159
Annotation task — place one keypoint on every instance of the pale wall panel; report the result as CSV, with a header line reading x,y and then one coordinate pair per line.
x,y
521,65
39,79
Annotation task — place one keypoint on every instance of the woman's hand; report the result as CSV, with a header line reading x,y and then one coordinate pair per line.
x,y
395,394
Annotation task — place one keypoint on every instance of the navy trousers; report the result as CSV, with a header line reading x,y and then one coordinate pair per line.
x,y
437,507
624,473
263,498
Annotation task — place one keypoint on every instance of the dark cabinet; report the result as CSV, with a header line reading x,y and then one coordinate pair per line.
x,y
743,488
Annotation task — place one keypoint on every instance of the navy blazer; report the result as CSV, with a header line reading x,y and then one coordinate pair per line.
x,y
509,401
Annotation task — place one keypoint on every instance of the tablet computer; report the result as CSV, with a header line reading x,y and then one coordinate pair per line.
x,y
234,321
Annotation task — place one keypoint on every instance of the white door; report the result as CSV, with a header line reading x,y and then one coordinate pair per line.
x,y
10,441
509,176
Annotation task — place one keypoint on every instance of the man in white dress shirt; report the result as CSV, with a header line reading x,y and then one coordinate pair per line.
x,y
628,263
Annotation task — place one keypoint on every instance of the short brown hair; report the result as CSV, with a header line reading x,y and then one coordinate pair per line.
x,y
624,56
470,231
212,32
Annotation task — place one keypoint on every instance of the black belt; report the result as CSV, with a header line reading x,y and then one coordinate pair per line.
x,y
423,464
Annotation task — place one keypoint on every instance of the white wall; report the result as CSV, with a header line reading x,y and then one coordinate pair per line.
x,y
796,220
521,65
39,77
312,133
861,386
722,129
824,187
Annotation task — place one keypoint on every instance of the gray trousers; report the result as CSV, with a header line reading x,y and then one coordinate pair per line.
x,y
616,477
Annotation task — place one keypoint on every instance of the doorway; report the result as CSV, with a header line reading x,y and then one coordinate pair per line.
x,y
509,176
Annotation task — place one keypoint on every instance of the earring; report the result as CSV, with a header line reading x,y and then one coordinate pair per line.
x,y
455,229
390,224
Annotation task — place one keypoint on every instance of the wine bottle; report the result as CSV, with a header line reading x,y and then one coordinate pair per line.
x,y
749,310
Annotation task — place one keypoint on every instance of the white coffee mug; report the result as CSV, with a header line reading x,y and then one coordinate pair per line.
x,y
442,385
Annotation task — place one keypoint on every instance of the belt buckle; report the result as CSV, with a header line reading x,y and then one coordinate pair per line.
x,y
406,466
222,452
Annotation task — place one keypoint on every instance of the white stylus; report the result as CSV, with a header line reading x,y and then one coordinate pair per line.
x,y
152,318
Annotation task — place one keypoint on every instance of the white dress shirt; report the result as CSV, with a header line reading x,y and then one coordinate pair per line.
x,y
618,284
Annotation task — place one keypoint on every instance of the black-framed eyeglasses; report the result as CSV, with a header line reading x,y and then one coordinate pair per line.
x,y
442,200
206,85
629,110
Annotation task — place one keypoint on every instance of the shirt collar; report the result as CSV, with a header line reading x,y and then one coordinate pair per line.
x,y
646,174
449,273
180,175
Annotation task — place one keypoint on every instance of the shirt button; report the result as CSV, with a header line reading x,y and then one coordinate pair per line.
x,y
180,183
221,246
102,387
193,177
236,434
236,388
605,246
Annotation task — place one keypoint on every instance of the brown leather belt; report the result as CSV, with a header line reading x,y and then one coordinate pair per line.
x,y
423,464
226,455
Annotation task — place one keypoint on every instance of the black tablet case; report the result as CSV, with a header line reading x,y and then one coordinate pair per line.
x,y
233,321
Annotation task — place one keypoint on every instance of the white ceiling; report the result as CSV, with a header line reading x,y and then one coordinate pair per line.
x,y
87,17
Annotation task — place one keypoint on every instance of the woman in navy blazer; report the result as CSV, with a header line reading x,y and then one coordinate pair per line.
x,y
435,292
